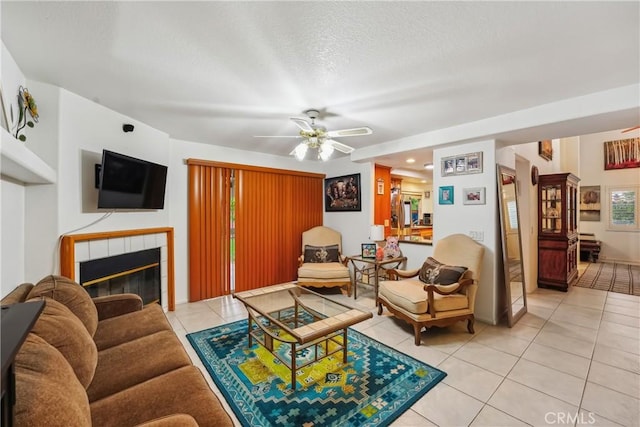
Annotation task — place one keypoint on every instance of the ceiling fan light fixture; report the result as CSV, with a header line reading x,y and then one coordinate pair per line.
x,y
325,151
300,151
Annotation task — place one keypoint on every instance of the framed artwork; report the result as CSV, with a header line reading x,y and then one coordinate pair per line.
x,y
590,203
380,186
462,164
342,194
622,154
473,196
368,250
445,195
545,149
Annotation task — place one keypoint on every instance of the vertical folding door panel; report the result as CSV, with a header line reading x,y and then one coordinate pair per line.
x,y
273,208
209,231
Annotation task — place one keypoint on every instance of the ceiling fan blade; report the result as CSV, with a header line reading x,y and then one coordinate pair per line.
x,y
340,146
302,124
277,136
350,132
630,129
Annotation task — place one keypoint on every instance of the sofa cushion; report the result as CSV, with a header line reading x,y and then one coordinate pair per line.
x,y
410,295
447,274
130,326
136,361
181,391
19,294
48,392
329,270
321,254
70,294
58,326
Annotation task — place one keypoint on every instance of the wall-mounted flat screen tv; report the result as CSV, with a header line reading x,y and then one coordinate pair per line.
x,y
129,183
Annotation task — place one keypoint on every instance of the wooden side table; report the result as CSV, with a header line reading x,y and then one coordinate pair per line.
x,y
372,266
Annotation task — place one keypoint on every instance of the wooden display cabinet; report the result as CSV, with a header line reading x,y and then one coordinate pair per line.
x,y
557,230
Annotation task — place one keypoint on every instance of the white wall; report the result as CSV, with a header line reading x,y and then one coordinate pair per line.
x,y
12,230
459,218
623,246
354,226
12,194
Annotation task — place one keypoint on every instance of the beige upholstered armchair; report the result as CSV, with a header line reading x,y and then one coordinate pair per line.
x,y
322,263
440,293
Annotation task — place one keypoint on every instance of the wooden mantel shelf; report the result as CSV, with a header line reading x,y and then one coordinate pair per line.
x,y
21,164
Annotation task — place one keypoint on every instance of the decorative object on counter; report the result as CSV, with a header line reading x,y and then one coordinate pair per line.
x,y
342,194
392,248
26,103
622,154
545,149
445,195
590,203
473,196
462,164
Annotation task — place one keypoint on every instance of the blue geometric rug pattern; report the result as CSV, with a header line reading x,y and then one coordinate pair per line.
x,y
375,387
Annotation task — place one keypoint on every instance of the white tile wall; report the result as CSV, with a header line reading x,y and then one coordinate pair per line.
x,y
98,248
81,251
116,246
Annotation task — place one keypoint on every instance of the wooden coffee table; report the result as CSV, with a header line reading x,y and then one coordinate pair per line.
x,y
301,318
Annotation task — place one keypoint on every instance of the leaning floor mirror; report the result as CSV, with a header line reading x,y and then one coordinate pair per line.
x,y
516,295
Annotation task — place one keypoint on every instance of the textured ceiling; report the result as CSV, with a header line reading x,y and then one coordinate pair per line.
x,y
222,72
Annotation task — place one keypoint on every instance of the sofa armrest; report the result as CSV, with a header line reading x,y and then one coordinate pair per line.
x,y
117,305
176,420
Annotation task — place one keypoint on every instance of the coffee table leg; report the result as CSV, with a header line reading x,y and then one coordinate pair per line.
x,y
293,366
344,348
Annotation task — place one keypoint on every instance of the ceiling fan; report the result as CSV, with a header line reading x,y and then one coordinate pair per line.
x,y
317,137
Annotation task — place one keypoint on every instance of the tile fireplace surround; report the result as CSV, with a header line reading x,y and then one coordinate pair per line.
x,y
76,248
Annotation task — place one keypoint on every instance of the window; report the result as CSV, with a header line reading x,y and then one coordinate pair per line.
x,y
623,208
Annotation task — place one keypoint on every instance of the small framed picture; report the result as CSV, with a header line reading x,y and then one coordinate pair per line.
x,y
545,149
473,196
461,164
380,186
368,250
474,162
445,195
448,166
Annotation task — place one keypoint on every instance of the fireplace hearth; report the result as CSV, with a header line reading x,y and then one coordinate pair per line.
x,y
133,272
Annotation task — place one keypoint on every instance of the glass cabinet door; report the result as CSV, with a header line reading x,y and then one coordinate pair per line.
x,y
552,209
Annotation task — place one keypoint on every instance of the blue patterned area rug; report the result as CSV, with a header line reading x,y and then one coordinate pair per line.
x,y
375,387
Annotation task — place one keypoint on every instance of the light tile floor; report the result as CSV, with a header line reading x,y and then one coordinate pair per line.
x,y
573,359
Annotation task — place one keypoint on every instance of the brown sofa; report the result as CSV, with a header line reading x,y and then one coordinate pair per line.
x,y
105,361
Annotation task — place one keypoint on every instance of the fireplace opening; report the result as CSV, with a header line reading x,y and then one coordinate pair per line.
x,y
133,272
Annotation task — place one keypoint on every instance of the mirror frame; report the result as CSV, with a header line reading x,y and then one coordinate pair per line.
x,y
512,317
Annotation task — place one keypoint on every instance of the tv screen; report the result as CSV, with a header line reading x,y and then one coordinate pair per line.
x,y
130,183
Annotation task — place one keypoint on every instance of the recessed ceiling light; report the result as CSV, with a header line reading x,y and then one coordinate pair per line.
x,y
410,160
428,166
424,181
